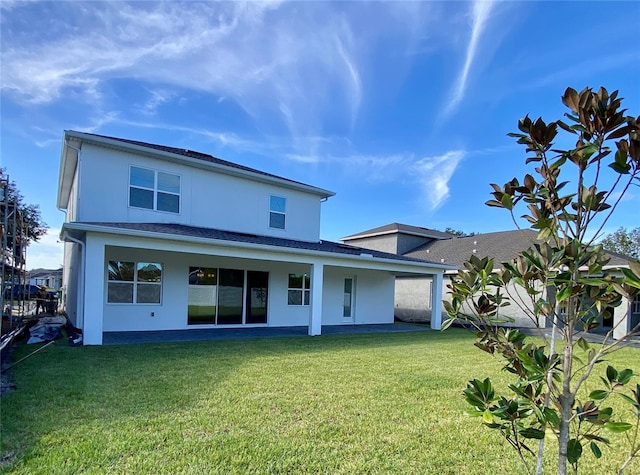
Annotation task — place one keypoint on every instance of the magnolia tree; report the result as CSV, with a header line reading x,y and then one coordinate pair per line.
x,y
562,282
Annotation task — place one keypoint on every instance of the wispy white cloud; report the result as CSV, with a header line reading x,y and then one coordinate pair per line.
x,y
434,174
157,98
292,69
480,14
252,53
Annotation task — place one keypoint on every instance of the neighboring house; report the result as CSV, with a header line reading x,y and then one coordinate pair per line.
x,y
163,238
414,295
50,278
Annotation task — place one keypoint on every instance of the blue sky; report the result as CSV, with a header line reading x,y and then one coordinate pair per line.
x,y
401,108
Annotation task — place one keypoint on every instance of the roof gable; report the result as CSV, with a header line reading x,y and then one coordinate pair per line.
x,y
397,228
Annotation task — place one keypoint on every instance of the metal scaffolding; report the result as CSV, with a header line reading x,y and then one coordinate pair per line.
x,y
13,259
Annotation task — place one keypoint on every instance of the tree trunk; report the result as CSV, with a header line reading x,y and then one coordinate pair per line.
x,y
547,397
566,401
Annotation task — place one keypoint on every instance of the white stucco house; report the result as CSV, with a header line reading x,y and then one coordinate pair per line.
x,y
163,238
414,293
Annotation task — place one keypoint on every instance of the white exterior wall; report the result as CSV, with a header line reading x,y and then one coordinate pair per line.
x,y
73,199
373,302
374,297
70,281
171,313
208,198
72,257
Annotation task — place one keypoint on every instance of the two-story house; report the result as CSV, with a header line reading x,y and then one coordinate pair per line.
x,y
163,238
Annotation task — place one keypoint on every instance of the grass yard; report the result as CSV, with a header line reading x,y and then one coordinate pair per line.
x,y
376,403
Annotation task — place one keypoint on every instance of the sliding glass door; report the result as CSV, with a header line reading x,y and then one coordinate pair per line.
x,y
203,296
227,296
257,285
230,297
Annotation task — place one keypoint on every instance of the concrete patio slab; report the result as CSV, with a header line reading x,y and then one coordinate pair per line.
x,y
126,338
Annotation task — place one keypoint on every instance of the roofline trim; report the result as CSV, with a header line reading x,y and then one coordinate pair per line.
x,y
242,245
392,231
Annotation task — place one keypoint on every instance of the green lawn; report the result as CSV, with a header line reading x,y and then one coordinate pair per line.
x,y
382,403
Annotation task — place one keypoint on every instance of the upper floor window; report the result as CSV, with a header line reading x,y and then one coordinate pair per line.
x,y
152,189
277,208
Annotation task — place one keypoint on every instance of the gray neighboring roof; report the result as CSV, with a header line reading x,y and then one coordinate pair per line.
x,y
502,246
618,259
400,228
230,236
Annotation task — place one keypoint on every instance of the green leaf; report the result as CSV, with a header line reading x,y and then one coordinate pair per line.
x,y
617,426
630,277
574,451
531,433
447,323
582,343
563,294
487,416
612,374
596,450
624,376
598,395
552,417
507,201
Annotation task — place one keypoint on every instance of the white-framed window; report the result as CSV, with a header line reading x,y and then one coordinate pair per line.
x,y
153,189
277,212
347,306
299,289
134,282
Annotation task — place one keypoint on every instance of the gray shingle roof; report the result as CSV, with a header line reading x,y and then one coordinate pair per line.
x,y
400,228
221,235
502,246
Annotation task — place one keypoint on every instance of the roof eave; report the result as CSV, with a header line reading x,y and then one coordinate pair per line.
x,y
392,231
82,227
68,164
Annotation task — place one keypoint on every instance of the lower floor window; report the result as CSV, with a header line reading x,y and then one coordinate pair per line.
x,y
134,282
298,291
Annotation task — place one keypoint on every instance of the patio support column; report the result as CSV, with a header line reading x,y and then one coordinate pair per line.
x,y
621,319
93,308
436,302
315,316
